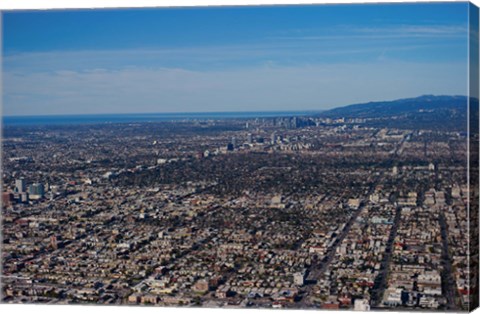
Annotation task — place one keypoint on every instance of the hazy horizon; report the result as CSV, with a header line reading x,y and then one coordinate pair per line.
x,y
220,59
215,112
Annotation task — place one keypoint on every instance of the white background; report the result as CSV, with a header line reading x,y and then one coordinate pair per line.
x,y
43,4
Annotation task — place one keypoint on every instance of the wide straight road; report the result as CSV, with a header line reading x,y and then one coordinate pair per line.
x,y
318,268
449,286
380,283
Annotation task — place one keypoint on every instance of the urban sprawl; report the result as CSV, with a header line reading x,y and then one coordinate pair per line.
x,y
289,212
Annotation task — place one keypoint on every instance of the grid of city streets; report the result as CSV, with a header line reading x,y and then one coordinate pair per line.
x,y
286,212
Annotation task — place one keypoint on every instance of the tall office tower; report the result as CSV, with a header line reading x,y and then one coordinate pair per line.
x,y
20,185
295,122
234,141
36,191
7,199
249,138
274,138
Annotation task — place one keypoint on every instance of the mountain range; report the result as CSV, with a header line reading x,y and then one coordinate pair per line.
x,y
424,112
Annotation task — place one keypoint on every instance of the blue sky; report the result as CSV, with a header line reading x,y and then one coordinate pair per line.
x,y
230,59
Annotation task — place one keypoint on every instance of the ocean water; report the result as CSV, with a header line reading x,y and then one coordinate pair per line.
x,y
154,117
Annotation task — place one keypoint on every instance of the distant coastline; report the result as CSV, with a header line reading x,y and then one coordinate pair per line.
x,y
144,117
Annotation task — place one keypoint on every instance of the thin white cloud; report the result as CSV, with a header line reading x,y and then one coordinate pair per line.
x,y
206,58
266,87
275,75
417,29
385,32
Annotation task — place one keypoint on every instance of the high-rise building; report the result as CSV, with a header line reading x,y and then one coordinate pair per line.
x,y
36,191
234,141
249,138
294,122
7,199
20,186
274,138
